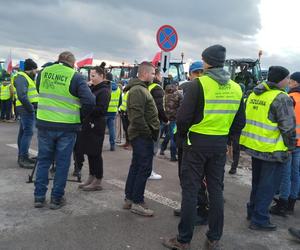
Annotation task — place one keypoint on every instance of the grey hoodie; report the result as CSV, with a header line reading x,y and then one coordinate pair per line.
x,y
281,112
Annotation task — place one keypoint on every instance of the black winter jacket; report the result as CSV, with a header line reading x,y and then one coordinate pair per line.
x,y
191,112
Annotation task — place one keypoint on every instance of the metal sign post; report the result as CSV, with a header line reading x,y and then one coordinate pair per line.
x,y
167,39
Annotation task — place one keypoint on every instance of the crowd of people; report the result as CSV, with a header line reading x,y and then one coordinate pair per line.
x,y
203,119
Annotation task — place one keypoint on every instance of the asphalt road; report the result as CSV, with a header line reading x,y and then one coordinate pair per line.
x,y
95,220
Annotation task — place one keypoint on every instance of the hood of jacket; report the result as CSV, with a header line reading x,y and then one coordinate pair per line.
x,y
134,82
218,74
261,88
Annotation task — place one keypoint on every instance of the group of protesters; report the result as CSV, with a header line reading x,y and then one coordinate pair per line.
x,y
202,118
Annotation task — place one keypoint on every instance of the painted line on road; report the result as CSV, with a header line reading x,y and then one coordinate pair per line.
x,y
152,196
31,151
121,184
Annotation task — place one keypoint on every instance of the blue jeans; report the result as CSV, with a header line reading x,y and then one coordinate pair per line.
x,y
170,136
6,106
140,169
54,146
290,181
27,122
265,181
110,122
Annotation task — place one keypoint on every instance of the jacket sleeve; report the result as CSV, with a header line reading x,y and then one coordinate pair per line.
x,y
282,112
191,105
158,96
239,120
79,88
21,86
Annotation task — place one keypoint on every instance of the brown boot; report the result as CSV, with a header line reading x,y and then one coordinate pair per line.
x,y
87,182
94,186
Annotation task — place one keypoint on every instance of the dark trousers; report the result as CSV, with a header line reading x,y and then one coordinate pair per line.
x,y
95,161
6,106
235,151
125,124
96,165
196,165
140,168
202,204
265,181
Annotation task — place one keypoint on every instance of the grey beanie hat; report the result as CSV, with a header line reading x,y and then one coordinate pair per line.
x,y
214,55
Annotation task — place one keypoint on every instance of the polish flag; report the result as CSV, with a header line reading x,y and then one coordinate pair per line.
x,y
86,60
156,59
8,64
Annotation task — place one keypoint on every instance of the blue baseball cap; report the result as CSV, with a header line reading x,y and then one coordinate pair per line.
x,y
198,65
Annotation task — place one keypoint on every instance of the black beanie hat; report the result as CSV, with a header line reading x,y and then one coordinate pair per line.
x,y
214,55
277,73
29,64
296,77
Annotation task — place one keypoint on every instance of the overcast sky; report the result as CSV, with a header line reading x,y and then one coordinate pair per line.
x,y
125,30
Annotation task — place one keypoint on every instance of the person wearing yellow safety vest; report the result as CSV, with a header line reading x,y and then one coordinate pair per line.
x,y
64,100
290,180
124,118
6,98
268,137
158,94
26,104
211,110
114,104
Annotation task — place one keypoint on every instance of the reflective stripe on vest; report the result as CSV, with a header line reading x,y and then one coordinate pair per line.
x,y
114,100
152,86
5,92
32,93
221,103
296,97
56,103
123,106
261,134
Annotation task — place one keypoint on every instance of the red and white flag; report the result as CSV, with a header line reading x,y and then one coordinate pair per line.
x,y
156,59
86,60
8,64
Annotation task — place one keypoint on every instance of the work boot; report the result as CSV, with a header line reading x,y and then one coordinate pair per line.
x,y
87,182
24,162
213,245
290,206
280,208
266,227
57,203
39,203
232,170
94,186
141,209
295,233
173,243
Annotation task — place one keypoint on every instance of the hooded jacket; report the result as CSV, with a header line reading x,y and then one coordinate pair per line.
x,y
141,110
191,112
172,101
282,112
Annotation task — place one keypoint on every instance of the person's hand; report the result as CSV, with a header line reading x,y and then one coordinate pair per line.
x,y
230,152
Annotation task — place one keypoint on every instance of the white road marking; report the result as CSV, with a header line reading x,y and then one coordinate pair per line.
x,y
31,151
121,184
152,196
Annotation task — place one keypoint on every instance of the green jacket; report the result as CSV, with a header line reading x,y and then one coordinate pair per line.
x,y
142,111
